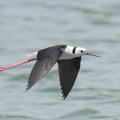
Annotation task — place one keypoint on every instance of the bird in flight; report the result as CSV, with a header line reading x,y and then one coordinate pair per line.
x,y
68,59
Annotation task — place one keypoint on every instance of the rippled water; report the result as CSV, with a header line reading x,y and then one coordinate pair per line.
x,y
29,25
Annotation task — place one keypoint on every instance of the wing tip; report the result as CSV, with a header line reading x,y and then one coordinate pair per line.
x,y
64,97
28,87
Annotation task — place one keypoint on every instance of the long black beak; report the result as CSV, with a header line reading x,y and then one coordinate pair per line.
x,y
92,54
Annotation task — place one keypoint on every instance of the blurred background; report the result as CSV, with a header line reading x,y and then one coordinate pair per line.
x,y
27,26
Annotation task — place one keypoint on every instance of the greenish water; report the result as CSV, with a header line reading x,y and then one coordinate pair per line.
x,y
27,26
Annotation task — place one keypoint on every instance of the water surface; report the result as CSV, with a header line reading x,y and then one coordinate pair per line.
x,y
28,26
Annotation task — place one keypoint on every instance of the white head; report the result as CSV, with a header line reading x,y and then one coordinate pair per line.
x,y
82,51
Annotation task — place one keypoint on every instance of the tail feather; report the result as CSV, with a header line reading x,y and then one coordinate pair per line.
x,y
31,56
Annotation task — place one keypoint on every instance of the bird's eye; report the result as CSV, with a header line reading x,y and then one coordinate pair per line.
x,y
81,50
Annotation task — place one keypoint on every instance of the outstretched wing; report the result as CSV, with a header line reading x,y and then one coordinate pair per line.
x,y
68,70
46,60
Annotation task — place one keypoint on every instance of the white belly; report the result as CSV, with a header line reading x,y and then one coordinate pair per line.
x,y
66,56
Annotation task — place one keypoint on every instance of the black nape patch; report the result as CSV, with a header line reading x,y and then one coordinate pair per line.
x,y
74,49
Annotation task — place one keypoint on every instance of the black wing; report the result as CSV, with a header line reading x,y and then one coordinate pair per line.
x,y
68,70
46,60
